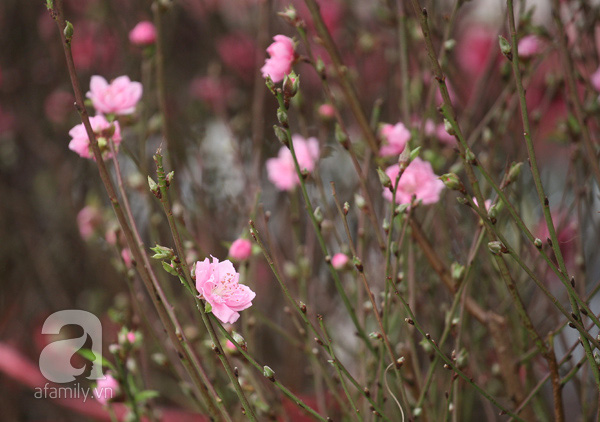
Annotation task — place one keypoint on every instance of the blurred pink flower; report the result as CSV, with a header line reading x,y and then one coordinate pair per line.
x,y
107,388
126,256
240,249
395,139
58,105
418,179
119,97
131,337
326,111
339,260
94,46
219,284
89,219
488,203
595,79
238,52
444,136
143,33
281,170
282,56
529,46
230,346
212,90
102,128
474,47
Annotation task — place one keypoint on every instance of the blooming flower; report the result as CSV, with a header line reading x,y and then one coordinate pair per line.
x,y
395,139
281,170
282,56
240,249
528,46
103,131
418,179
119,97
218,283
339,260
106,389
143,33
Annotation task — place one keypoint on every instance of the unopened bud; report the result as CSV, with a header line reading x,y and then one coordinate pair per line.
x,y
496,247
457,270
505,47
384,179
281,135
269,373
318,215
346,208
68,31
514,172
451,181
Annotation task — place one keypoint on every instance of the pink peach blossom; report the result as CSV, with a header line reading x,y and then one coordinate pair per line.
x,y
529,46
119,97
339,260
281,170
88,220
326,111
218,284
418,179
238,52
240,249
395,139
126,256
282,56
107,388
143,33
475,44
102,128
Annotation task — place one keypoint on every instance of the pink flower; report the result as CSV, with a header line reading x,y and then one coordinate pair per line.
x,y
119,97
474,47
126,256
529,46
102,129
218,283
339,260
444,136
395,139
488,203
326,111
131,337
595,80
106,389
418,179
88,219
282,56
230,346
281,170
240,249
143,33
238,51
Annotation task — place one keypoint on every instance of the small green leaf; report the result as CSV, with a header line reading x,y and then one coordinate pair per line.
x,y
169,268
91,356
145,395
207,307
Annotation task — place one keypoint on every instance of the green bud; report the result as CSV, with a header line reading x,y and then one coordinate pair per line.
x,y
152,184
270,84
269,373
496,247
169,268
341,136
448,127
469,156
384,179
386,225
359,201
50,4
417,412
427,347
169,177
514,172
462,359
291,83
401,209
282,116
281,134
162,252
538,243
451,181
68,31
457,270
320,67
450,44
239,339
318,215
505,47
346,208
289,15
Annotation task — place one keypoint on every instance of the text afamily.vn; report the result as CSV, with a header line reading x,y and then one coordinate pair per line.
x,y
77,391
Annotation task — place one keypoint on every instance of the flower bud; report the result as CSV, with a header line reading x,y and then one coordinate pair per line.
x,y
359,201
281,135
269,373
291,83
346,208
505,47
496,247
153,186
384,179
451,181
282,117
162,252
68,31
318,215
448,127
514,172
538,243
457,270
